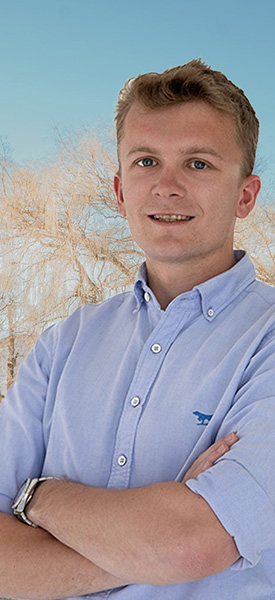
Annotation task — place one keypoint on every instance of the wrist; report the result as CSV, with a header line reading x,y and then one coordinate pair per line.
x,y
36,509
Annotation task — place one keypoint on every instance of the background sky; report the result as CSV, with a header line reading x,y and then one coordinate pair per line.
x,y
62,62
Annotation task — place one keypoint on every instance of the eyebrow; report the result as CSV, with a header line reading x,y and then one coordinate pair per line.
x,y
202,150
136,149
191,150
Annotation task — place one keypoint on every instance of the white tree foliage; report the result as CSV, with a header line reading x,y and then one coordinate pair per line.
x,y
62,243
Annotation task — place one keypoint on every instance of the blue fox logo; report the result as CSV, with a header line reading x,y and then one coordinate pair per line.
x,y
202,418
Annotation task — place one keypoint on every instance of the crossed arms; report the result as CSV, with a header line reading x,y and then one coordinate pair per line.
x,y
91,539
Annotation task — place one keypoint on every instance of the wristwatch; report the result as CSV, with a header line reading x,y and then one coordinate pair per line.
x,y
24,496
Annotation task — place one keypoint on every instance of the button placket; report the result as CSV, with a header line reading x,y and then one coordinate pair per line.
x,y
148,365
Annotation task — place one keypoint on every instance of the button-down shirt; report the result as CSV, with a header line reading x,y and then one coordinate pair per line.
x,y
124,394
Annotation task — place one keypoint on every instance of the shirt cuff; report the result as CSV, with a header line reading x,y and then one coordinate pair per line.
x,y
242,507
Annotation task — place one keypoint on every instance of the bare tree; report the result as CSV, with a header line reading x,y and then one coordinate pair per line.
x,y
62,241
256,235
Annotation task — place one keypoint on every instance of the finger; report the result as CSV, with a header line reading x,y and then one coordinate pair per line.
x,y
207,459
221,444
217,453
231,438
211,455
219,448
197,470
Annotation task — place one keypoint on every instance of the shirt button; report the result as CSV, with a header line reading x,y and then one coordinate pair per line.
x,y
147,297
135,401
122,460
210,312
156,348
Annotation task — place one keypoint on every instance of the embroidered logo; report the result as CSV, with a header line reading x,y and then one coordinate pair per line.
x,y
202,418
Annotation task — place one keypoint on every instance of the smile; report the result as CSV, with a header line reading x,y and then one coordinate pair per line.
x,y
171,218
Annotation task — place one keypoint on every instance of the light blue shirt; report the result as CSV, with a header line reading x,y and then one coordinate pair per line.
x,y
123,394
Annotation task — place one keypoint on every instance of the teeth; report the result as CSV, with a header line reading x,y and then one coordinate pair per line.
x,y
171,218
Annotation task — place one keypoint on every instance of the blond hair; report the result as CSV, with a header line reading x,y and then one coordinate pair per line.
x,y
193,81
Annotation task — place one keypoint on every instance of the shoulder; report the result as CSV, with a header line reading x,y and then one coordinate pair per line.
x,y
90,318
264,291
260,305
90,313
86,326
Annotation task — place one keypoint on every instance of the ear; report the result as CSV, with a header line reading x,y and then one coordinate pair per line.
x,y
249,192
119,194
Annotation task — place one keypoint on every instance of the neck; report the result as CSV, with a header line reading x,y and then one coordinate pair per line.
x,y
169,281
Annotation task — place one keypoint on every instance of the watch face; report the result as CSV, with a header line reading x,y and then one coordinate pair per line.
x,y
19,502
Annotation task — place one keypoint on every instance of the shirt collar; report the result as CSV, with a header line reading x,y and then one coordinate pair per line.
x,y
218,292
141,287
215,294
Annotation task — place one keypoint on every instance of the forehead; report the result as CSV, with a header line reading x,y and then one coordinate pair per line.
x,y
191,122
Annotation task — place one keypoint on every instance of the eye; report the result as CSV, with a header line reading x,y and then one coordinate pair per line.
x,y
146,162
199,165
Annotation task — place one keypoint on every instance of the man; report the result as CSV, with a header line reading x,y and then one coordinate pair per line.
x,y
120,399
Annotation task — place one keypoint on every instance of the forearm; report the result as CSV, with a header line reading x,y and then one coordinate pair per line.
x,y
109,527
143,535
35,565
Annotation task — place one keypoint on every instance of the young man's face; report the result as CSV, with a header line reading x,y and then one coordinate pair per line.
x,y
180,184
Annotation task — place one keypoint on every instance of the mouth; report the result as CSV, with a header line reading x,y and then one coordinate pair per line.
x,y
170,218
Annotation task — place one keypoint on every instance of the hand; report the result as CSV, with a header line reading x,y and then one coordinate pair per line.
x,y
209,457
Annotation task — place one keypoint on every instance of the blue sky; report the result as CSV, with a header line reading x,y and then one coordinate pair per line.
x,y
63,61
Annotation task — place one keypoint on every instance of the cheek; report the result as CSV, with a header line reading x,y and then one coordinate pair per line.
x,y
131,201
224,219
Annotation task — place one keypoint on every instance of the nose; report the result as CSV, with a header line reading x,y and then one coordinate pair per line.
x,y
168,184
